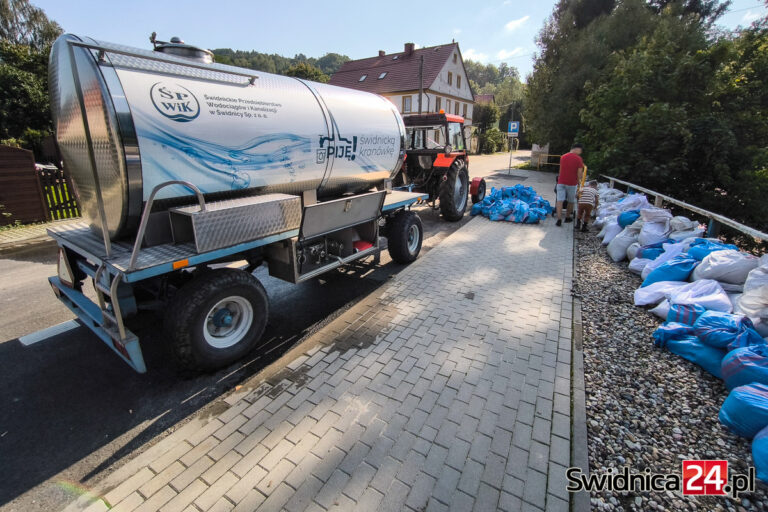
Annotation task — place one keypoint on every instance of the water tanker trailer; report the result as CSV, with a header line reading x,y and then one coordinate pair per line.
x,y
182,165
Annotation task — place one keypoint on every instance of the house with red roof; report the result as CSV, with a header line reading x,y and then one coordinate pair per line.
x,y
396,77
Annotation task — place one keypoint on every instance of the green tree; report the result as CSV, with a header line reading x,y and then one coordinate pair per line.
x,y
485,116
278,64
308,72
21,23
571,56
684,114
491,140
26,35
331,62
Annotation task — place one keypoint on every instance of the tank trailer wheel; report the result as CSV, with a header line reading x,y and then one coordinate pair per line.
x,y
216,319
404,236
479,195
454,192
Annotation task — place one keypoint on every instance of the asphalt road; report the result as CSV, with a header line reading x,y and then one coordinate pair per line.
x,y
70,410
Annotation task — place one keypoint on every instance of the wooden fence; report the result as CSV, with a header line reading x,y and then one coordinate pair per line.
x,y
30,195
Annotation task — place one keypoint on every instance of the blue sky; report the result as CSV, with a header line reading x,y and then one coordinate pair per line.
x,y
490,31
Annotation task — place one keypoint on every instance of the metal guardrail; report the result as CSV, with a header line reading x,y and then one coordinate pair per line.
x,y
715,220
543,159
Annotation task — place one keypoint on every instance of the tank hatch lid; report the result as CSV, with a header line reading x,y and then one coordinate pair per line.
x,y
176,46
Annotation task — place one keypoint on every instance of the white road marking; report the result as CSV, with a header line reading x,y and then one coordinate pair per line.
x,y
50,332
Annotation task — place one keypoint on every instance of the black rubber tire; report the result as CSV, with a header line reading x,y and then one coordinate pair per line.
x,y
186,316
476,198
398,229
451,212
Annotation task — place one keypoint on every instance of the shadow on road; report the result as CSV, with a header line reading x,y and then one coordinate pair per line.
x,y
71,409
67,397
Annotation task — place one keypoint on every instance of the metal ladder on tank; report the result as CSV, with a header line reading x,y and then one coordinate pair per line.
x,y
124,342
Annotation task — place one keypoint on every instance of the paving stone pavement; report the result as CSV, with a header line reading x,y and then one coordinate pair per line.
x,y
21,236
447,389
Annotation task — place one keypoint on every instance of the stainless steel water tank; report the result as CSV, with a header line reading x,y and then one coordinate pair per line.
x,y
230,131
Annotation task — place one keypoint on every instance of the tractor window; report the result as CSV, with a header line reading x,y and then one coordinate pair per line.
x,y
423,137
455,138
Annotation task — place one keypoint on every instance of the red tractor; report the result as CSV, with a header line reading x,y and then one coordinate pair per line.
x,y
436,163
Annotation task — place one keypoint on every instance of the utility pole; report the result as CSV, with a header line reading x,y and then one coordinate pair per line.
x,y
421,80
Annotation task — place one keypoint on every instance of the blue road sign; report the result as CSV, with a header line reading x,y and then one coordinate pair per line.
x,y
514,128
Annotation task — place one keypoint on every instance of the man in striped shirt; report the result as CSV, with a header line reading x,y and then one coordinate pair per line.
x,y
588,201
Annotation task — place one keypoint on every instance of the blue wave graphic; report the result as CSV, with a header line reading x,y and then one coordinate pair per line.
x,y
216,167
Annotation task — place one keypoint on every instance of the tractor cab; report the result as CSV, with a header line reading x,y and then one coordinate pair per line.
x,y
434,134
436,162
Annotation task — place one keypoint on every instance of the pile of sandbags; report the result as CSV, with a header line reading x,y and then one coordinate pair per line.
x,y
513,204
712,299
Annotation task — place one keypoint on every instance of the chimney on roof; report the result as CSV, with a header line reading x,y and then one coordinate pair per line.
x,y
381,53
409,47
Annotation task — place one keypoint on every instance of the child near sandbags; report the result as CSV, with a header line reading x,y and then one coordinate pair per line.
x,y
588,201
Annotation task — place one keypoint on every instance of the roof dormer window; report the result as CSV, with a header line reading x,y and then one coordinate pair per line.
x,y
395,57
382,75
362,78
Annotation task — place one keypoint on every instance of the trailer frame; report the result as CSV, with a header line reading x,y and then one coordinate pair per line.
x,y
119,274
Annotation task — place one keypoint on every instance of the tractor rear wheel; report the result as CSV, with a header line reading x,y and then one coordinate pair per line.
x,y
454,192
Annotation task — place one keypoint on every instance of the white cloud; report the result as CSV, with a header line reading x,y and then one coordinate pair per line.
x,y
750,16
456,31
505,54
516,24
472,54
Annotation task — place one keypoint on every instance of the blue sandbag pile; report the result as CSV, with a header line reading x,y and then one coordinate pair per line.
x,y
687,277
513,204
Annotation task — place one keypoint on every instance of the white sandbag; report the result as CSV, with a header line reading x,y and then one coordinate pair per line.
x,y
617,248
610,195
632,250
754,302
606,210
658,291
734,298
758,277
706,293
761,326
732,288
611,230
662,310
653,232
670,251
728,266
682,235
638,264
681,223
655,215
634,202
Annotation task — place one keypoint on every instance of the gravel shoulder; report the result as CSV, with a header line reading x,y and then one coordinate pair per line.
x,y
646,407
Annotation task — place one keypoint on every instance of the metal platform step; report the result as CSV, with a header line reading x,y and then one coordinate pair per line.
x,y
227,223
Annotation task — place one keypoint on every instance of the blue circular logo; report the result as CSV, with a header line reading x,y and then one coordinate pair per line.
x,y
174,101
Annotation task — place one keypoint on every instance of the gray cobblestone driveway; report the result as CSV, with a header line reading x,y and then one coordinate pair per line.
x,y
448,389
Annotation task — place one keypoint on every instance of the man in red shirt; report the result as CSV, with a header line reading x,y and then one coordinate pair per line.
x,y
571,170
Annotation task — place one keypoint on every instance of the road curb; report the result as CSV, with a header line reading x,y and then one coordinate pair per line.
x,y
580,501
